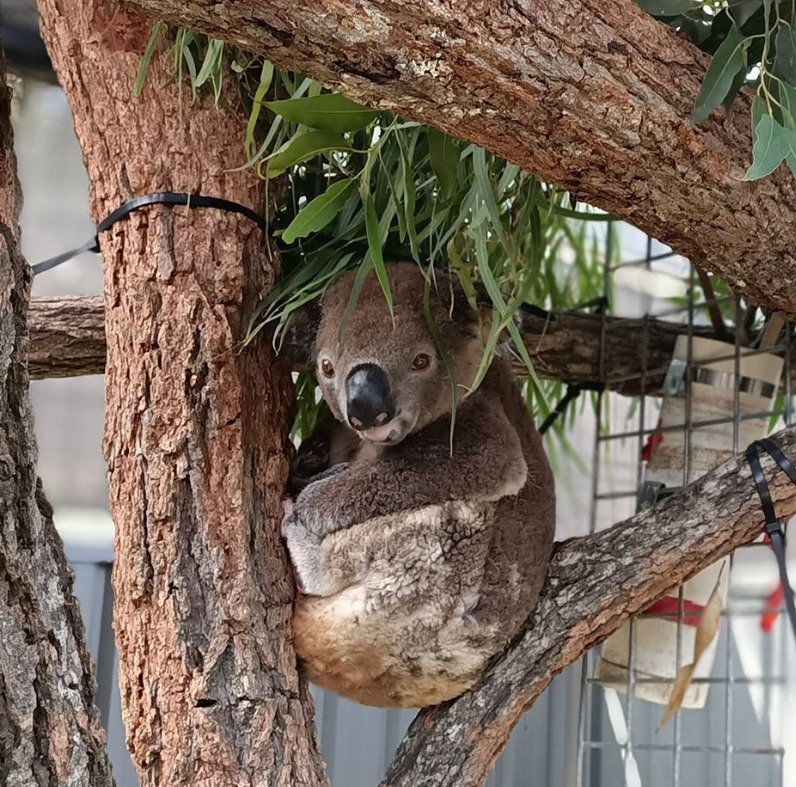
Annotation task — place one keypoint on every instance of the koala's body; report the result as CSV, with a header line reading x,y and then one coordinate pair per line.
x,y
416,561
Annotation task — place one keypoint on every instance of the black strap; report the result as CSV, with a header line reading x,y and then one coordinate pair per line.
x,y
573,391
774,526
169,198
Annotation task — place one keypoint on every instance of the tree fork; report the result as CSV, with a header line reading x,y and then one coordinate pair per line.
x,y
195,432
595,584
594,95
50,729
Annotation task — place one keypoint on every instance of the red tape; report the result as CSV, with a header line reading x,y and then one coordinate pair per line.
x,y
670,606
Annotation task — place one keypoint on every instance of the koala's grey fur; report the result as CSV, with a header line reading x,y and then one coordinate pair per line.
x,y
416,565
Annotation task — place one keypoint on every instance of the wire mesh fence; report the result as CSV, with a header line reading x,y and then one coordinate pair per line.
x,y
708,406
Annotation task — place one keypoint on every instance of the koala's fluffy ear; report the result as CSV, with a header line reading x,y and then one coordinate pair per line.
x,y
298,345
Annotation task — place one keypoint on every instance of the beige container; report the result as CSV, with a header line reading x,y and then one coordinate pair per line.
x,y
655,639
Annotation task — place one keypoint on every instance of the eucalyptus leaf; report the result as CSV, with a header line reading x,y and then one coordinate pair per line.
x,y
375,249
792,163
785,57
787,97
742,10
444,152
315,215
146,58
771,146
302,147
329,111
724,66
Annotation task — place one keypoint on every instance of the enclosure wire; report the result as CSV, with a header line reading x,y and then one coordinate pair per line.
x,y
591,726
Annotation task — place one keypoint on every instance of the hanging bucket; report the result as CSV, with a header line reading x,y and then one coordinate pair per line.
x,y
670,625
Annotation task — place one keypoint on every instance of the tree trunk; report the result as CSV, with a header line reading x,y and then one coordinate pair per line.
x,y
594,95
595,584
195,434
50,731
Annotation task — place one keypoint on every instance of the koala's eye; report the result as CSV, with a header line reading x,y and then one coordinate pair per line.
x,y
327,368
421,362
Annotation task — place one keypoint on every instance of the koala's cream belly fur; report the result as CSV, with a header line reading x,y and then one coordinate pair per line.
x,y
405,629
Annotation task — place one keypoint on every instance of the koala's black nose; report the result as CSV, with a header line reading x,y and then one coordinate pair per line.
x,y
368,398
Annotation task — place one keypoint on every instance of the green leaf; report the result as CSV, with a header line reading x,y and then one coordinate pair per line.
x,y
356,290
787,97
726,63
375,249
666,7
442,351
266,75
215,51
487,194
330,111
410,196
785,58
444,152
737,83
742,10
792,163
315,215
771,145
303,147
146,58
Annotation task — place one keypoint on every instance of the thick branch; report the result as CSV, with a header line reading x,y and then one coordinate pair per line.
x,y
594,95
68,339
595,584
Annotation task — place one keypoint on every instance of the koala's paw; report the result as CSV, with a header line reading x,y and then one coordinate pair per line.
x,y
304,549
318,504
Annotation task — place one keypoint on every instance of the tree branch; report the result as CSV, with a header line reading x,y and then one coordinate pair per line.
x,y
594,95
595,584
68,339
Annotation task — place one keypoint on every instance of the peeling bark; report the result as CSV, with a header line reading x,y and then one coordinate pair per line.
x,y
50,731
594,95
595,584
195,433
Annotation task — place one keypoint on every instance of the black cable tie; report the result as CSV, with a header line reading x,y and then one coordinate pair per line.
x,y
169,198
573,391
774,526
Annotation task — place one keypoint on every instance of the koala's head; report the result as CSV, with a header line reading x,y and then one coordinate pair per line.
x,y
384,377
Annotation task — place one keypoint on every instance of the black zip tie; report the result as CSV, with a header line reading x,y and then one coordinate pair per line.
x,y
774,527
573,391
170,198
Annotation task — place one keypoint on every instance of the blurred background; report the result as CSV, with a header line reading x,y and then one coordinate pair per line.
x,y
580,732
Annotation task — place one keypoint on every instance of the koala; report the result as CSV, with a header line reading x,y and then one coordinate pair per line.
x,y
418,551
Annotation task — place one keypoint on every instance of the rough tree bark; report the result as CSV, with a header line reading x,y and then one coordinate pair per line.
x,y
68,340
594,95
595,584
50,730
67,337
195,434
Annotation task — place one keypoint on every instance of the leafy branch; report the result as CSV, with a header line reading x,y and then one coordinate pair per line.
x,y
753,42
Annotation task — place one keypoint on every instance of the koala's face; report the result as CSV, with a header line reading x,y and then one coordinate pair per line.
x,y
383,377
